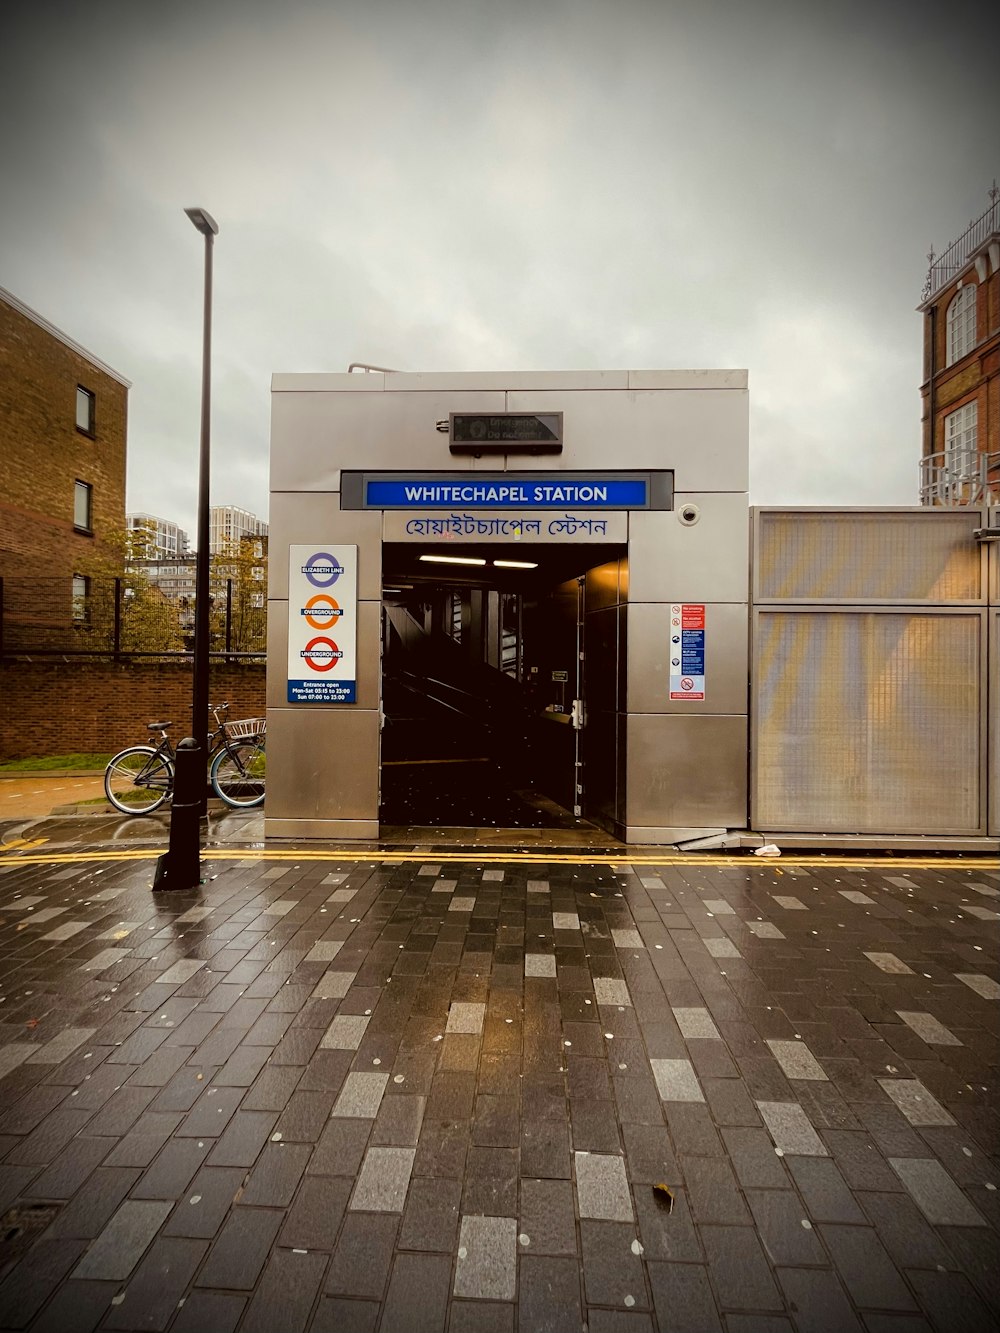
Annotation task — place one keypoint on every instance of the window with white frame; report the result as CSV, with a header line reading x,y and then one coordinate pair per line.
x,y
960,441
961,323
84,410
82,506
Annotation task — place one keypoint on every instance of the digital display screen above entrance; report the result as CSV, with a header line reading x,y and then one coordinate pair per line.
x,y
505,433
506,490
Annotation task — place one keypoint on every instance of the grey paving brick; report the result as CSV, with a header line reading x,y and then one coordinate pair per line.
x,y
721,947
333,985
928,1028
565,921
602,1187
935,1192
360,1096
888,962
121,1244
610,990
695,1023
627,939
796,1059
915,1102
984,986
324,951
765,930
487,1258
676,1081
790,1129
345,1033
383,1180
539,965
466,1017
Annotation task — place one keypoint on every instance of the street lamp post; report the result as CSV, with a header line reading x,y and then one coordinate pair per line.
x,y
206,224
180,867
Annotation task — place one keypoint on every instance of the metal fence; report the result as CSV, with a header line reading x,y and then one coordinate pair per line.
x,y
126,617
947,266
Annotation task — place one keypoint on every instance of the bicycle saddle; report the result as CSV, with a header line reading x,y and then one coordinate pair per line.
x,y
158,726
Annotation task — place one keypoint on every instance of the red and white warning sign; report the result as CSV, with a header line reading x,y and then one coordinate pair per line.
x,y
687,651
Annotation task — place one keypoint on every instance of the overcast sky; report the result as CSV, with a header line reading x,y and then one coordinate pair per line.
x,y
498,184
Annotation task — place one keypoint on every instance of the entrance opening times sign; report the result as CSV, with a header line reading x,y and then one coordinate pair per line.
x,y
687,651
322,624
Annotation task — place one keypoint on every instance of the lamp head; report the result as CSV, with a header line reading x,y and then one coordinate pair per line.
x,y
204,221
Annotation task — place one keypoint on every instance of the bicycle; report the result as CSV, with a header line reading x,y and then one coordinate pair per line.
x,y
139,779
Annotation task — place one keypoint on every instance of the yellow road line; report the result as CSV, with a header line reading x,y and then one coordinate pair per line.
x,y
507,858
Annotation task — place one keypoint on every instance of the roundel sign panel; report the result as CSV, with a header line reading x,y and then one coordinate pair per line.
x,y
322,624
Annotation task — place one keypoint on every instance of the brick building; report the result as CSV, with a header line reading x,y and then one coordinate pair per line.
x,y
960,461
62,453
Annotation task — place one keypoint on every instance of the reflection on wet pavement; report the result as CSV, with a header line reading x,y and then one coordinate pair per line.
x,y
435,1093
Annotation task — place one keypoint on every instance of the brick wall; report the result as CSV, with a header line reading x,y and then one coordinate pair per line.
x,y
99,707
42,453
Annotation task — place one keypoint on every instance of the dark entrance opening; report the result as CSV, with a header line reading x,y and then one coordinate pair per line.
x,y
502,676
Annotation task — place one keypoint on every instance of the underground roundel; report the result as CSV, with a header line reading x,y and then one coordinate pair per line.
x,y
322,624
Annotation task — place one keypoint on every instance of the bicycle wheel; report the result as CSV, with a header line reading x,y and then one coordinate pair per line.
x,y
138,780
238,773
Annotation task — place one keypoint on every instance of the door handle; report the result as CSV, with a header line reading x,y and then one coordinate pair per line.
x,y
577,715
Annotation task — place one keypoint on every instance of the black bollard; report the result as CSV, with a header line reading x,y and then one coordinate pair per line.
x,y
180,867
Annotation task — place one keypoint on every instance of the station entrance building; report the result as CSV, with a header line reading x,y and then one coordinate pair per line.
x,y
546,620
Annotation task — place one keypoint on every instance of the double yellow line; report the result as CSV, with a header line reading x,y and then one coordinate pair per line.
x,y
24,855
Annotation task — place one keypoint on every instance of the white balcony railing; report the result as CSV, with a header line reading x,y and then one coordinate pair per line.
x,y
960,477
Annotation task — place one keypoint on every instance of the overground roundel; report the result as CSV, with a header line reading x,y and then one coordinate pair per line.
x,y
322,569
321,611
321,654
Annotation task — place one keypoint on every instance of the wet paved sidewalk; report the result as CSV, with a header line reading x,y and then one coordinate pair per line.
x,y
352,1095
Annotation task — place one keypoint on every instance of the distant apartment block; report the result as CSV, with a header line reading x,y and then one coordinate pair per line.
x,y
62,454
228,525
960,461
157,538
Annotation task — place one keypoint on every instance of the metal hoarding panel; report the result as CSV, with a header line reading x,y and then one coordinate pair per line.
x,y
868,721
851,556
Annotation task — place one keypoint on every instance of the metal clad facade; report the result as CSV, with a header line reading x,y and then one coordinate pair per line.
x,y
869,696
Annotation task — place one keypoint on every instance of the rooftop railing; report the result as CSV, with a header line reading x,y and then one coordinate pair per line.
x,y
947,266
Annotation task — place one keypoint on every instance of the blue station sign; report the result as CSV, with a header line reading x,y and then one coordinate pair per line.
x,y
505,490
